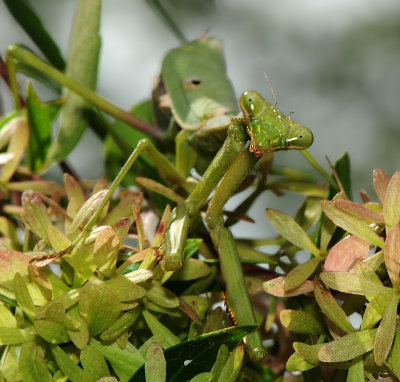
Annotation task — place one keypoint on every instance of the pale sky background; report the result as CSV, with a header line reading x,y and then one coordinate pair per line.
x,y
335,64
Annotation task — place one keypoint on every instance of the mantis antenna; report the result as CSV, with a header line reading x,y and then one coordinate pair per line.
x,y
272,89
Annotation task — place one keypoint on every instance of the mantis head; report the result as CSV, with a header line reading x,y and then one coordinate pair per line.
x,y
299,137
252,104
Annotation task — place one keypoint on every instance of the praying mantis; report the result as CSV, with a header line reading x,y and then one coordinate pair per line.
x,y
203,105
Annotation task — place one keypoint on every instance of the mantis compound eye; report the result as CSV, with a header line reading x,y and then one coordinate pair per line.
x,y
252,104
299,137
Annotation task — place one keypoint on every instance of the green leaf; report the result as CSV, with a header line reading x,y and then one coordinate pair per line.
x,y
94,363
222,357
68,366
82,66
299,274
394,356
10,336
348,347
51,331
40,118
80,336
32,363
375,309
203,377
351,223
351,283
99,306
291,230
386,330
158,329
127,360
125,289
330,307
191,357
23,297
342,167
155,366
356,370
298,321
191,269
297,363
231,370
120,326
32,25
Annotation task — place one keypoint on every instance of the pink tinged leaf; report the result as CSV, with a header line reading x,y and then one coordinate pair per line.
x,y
386,330
346,253
35,213
381,182
330,307
392,255
391,204
12,262
359,211
276,287
106,249
351,223
348,347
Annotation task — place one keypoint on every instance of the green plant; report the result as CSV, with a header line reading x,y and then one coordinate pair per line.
x,y
84,287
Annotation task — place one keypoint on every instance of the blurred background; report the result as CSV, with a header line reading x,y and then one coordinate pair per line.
x,y
336,65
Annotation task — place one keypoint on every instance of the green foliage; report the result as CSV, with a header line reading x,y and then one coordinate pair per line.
x,y
85,292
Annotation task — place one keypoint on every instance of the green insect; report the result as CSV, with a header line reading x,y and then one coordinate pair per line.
x,y
269,129
211,136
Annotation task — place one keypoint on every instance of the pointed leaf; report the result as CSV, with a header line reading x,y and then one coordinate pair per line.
x,y
359,211
381,182
386,330
68,366
356,370
94,363
351,223
348,347
80,336
23,297
330,307
276,287
155,366
394,356
299,274
344,255
392,255
297,363
351,283
57,239
35,213
169,339
17,146
291,230
231,370
106,249
86,211
391,204
40,118
376,308
127,360
32,363
82,66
